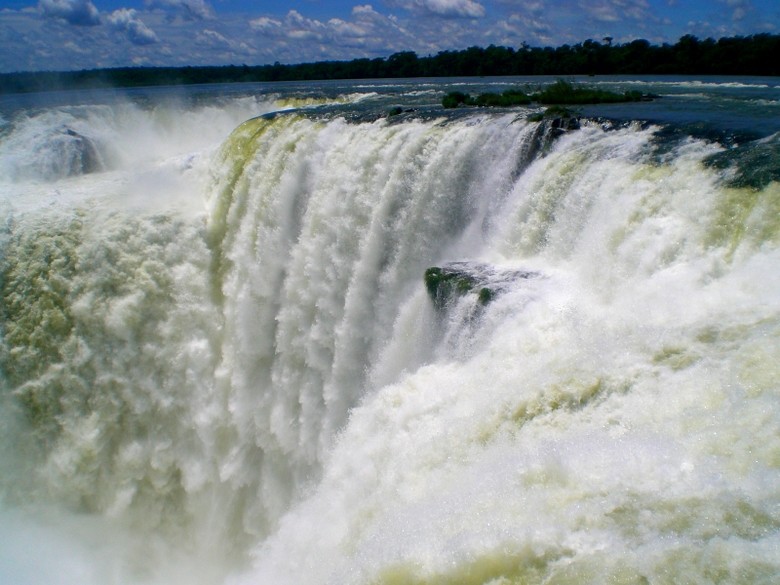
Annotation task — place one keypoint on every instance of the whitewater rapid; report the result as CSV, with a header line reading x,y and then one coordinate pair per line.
x,y
248,382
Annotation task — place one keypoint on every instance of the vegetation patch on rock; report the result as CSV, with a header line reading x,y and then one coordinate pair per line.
x,y
458,279
559,93
563,92
443,284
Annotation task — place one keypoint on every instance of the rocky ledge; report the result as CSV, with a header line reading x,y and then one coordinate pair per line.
x,y
457,279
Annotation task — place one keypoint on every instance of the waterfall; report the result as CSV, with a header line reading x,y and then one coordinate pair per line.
x,y
265,387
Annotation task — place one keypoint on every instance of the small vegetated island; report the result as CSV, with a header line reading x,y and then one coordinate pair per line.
x,y
559,93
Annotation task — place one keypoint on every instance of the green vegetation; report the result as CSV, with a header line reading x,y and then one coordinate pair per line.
x,y
750,55
511,97
560,92
444,284
486,295
563,92
456,98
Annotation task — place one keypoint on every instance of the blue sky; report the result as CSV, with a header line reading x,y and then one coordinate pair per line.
x,y
85,34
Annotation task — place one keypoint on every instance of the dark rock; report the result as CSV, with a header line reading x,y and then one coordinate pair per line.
x,y
86,153
753,164
565,124
62,152
457,279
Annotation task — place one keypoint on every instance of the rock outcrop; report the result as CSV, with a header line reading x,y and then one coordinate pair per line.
x,y
448,282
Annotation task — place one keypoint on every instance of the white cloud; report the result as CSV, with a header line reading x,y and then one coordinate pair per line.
x,y
76,12
363,9
346,29
740,8
528,27
265,23
212,38
76,48
184,9
300,27
295,38
126,20
212,34
615,10
450,8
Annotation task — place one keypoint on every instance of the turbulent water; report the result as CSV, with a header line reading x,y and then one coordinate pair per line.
x,y
220,362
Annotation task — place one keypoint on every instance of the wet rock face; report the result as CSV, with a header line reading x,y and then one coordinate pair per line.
x,y
63,152
564,124
448,282
83,152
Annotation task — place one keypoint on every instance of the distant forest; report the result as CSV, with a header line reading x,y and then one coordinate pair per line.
x,y
749,55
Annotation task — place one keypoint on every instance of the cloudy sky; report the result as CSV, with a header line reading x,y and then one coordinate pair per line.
x,y
85,34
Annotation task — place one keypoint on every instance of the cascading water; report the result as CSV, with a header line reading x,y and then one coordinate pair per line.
x,y
318,237
264,391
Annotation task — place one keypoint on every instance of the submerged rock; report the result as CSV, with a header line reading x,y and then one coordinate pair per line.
x,y
66,153
450,281
753,164
556,120
86,155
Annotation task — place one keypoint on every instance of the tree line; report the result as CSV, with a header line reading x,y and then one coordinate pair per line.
x,y
748,55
